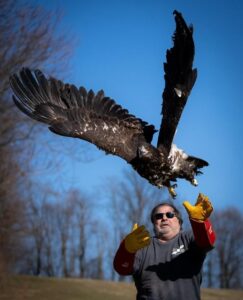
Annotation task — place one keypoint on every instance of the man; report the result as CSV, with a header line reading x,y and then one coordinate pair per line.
x,y
168,266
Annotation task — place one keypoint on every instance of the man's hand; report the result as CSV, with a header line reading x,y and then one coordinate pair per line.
x,y
202,209
137,239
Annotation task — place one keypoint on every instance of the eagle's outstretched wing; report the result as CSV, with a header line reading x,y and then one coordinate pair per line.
x,y
179,80
77,113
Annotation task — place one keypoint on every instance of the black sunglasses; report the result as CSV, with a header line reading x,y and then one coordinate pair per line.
x,y
168,214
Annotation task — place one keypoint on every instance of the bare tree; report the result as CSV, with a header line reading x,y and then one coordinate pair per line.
x,y
211,270
59,233
82,224
223,267
96,266
39,235
24,40
50,238
88,239
65,234
228,224
36,220
133,198
74,225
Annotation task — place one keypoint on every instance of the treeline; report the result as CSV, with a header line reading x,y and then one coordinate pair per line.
x,y
71,235
56,237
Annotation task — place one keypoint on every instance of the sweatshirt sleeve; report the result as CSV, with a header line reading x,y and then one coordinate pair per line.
x,y
124,260
204,234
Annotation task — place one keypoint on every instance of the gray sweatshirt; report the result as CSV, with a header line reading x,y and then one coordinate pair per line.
x,y
170,270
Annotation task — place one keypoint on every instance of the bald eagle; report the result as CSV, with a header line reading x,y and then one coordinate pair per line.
x,y
75,112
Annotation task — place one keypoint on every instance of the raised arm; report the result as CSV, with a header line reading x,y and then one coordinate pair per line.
x,y
125,255
199,217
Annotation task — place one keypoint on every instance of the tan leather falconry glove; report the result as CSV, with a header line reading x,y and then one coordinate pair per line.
x,y
202,209
137,239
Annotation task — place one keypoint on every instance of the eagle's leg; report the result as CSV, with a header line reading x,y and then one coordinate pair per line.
x,y
172,191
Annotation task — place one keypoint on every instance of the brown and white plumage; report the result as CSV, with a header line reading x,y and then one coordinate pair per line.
x,y
74,112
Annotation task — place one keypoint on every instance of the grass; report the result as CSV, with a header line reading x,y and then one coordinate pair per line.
x,y
34,288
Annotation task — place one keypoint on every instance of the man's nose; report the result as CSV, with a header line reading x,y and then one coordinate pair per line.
x,y
164,217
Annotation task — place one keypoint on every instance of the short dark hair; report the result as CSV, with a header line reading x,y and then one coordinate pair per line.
x,y
177,212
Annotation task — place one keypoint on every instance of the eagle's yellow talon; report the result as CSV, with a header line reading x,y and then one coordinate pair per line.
x,y
172,191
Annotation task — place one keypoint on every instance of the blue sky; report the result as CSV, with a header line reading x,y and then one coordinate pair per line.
x,y
121,49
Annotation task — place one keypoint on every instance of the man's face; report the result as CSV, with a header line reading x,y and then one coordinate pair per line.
x,y
165,228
